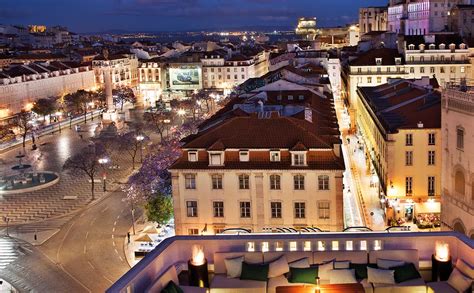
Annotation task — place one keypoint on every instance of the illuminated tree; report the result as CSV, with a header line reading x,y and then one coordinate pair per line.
x,y
123,95
45,106
23,123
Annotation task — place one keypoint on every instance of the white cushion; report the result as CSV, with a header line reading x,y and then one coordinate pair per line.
x,y
388,263
465,268
345,264
300,263
342,277
380,276
325,270
278,267
233,266
458,281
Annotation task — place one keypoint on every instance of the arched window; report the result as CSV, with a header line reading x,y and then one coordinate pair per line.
x,y
459,182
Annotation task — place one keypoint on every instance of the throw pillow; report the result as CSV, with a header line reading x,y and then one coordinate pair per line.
x,y
171,287
361,269
380,276
303,275
389,263
406,272
233,266
278,267
458,281
299,263
342,277
256,272
341,264
465,268
325,270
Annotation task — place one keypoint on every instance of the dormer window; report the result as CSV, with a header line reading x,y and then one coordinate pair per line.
x,y
432,46
378,61
462,46
216,159
244,156
299,159
301,97
275,156
193,156
290,98
442,46
398,61
422,47
411,47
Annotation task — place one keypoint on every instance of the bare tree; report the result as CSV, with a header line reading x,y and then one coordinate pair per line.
x,y
158,119
123,95
133,142
86,162
23,122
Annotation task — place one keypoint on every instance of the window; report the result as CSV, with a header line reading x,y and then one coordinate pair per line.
x,y
432,70
298,182
412,70
369,79
218,207
422,70
409,186
378,61
245,209
431,157
298,159
323,209
323,182
460,183
276,209
409,139
431,185
218,230
192,208
190,181
216,181
290,98
275,182
300,210
216,159
193,231
379,79
460,138
274,156
301,97
244,156
244,180
431,139
193,156
409,158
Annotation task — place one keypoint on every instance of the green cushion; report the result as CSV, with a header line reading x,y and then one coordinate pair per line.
x,y
172,288
256,272
303,275
406,272
361,269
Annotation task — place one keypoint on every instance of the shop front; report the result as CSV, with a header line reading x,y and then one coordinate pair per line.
x,y
424,213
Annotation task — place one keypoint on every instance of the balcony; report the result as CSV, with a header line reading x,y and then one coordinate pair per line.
x,y
359,247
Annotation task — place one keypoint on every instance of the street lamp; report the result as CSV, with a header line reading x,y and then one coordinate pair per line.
x,y
103,162
59,116
140,139
181,113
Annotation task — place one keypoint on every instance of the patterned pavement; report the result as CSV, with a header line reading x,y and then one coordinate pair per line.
x,y
53,150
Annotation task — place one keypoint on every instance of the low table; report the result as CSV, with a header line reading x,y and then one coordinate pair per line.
x,y
325,288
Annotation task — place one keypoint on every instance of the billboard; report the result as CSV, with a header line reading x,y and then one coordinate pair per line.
x,y
185,77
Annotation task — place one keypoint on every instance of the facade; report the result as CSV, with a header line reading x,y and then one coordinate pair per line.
x,y
399,124
461,20
458,159
151,81
122,68
307,28
21,85
372,19
273,161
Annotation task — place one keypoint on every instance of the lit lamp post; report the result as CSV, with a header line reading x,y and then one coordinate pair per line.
x,y
59,116
103,162
140,139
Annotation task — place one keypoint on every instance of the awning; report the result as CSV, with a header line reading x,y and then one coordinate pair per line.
x,y
428,208
144,238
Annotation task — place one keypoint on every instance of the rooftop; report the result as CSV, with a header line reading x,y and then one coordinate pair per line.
x,y
369,58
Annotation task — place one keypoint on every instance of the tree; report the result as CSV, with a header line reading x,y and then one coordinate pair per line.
x,y
123,95
44,106
77,102
6,132
158,119
23,123
86,162
132,142
159,209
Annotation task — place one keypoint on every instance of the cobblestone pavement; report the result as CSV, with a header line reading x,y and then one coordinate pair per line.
x,y
52,152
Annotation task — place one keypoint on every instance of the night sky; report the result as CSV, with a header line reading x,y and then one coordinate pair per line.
x,y
177,15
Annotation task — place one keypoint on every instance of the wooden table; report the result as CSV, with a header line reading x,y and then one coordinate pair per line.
x,y
325,288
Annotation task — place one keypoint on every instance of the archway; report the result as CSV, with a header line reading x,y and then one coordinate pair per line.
x,y
459,226
460,182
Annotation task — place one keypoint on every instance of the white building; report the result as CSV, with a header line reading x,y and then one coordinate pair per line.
x,y
150,81
457,209
21,85
123,69
372,19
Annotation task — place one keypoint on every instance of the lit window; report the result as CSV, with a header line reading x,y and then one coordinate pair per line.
x,y
363,245
218,207
245,209
216,159
290,98
300,210
275,182
191,208
192,156
193,231
244,156
275,156
335,245
250,246
307,246
279,246
265,246
324,209
299,159
276,209
293,246
190,181
216,181
321,246
349,245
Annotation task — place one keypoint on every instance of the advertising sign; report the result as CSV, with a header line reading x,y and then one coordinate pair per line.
x,y
185,77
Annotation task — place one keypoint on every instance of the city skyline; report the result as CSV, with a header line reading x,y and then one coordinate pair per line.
x,y
172,15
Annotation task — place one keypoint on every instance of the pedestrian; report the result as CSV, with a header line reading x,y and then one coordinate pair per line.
x,y
128,237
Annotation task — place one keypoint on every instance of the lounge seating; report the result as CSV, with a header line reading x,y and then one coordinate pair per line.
x,y
171,275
